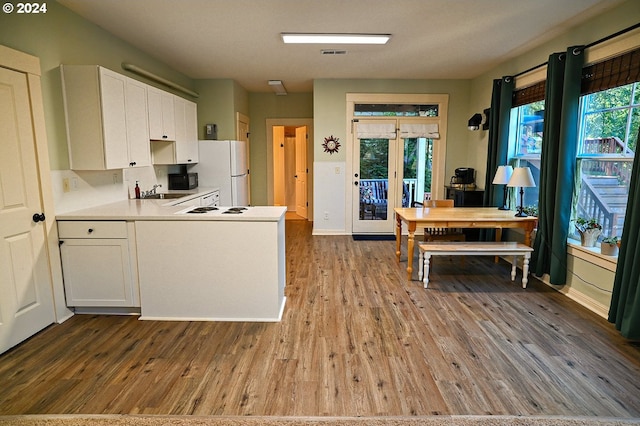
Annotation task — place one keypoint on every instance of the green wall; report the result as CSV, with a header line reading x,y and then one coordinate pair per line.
x,y
219,100
263,106
63,37
330,107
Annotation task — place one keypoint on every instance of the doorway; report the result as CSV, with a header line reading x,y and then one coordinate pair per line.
x,y
397,156
299,162
290,169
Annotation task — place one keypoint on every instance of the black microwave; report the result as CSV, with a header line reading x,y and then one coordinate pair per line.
x,y
183,180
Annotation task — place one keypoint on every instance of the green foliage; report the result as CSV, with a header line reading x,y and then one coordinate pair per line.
x,y
374,158
610,240
611,113
582,224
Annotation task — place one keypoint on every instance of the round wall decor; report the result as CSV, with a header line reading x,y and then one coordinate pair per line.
x,y
331,144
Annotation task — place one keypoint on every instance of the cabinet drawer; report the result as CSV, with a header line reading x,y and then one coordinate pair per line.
x,y
92,229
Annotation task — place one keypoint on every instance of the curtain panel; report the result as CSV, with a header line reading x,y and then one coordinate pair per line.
x,y
625,300
558,163
498,148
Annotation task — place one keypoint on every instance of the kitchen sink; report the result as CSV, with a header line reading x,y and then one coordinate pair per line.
x,y
166,196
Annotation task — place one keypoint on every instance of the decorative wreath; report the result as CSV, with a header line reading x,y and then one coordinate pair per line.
x,y
331,144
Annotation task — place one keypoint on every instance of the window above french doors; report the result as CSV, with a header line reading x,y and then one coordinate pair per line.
x,y
396,155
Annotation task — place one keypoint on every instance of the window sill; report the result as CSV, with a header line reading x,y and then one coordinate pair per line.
x,y
591,255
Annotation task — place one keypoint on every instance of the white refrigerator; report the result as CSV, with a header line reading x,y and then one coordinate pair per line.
x,y
223,164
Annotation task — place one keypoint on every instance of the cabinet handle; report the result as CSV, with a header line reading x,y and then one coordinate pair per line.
x,y
165,137
38,217
90,230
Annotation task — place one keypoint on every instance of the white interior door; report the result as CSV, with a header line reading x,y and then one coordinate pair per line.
x,y
301,171
374,179
26,297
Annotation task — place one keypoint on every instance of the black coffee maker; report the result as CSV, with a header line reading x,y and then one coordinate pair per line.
x,y
463,176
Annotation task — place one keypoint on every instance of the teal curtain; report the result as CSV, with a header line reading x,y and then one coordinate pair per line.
x,y
625,301
501,102
558,163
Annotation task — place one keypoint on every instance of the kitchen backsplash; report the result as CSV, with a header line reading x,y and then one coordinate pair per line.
x,y
73,190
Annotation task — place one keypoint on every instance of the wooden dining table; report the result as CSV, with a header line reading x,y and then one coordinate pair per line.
x,y
457,217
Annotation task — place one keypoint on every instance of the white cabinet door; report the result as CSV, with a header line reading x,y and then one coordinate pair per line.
x,y
161,115
97,272
137,123
186,131
114,122
99,264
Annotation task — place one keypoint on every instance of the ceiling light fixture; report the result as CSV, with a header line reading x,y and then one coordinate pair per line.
x,y
335,38
277,87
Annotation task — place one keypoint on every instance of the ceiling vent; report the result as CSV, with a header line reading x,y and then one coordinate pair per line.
x,y
333,52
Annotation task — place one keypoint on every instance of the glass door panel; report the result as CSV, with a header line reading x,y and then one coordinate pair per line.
x,y
374,191
417,170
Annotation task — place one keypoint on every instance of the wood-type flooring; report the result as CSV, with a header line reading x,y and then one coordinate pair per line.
x,y
356,339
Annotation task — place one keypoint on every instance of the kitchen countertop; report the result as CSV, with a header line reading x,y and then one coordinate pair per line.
x,y
165,209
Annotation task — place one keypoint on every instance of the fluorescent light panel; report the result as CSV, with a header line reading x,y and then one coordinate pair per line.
x,y
335,38
277,87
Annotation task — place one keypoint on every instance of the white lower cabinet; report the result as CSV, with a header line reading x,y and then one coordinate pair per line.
x,y
99,263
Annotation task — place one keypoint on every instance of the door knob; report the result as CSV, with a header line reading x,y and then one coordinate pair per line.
x,y
356,175
355,183
38,217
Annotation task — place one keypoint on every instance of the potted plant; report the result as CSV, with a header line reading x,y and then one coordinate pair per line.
x,y
609,246
589,230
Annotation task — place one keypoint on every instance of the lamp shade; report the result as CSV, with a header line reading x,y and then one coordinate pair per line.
x,y
522,177
503,174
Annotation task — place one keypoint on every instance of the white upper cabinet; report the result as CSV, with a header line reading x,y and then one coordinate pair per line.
x,y
104,114
186,131
161,115
184,150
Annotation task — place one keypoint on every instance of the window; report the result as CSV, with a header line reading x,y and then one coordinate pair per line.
x,y
609,121
395,110
527,137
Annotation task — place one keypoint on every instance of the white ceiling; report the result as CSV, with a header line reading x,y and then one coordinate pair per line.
x,y
240,39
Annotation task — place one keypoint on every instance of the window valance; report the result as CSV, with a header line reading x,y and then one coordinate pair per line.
x,y
419,130
375,130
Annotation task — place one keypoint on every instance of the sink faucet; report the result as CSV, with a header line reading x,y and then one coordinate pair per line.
x,y
150,192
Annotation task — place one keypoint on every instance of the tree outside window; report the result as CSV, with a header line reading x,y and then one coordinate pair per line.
x,y
609,121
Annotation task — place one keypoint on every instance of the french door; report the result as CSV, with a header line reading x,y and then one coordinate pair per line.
x,y
374,179
390,169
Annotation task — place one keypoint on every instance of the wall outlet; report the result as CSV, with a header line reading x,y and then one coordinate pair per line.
x,y
115,178
338,170
65,185
326,215
74,183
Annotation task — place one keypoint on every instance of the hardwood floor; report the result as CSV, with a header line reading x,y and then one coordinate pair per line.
x,y
356,339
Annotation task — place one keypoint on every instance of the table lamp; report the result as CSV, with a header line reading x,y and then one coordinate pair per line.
x,y
503,174
523,178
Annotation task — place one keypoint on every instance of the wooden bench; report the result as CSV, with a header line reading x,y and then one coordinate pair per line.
x,y
474,248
